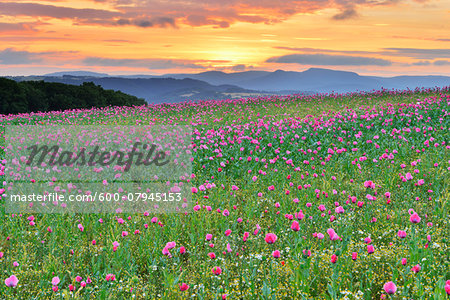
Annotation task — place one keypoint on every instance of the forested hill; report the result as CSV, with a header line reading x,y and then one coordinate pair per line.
x,y
33,96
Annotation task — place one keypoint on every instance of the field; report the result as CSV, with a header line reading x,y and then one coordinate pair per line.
x,y
294,197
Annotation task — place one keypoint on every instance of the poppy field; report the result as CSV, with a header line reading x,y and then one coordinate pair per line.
x,y
333,196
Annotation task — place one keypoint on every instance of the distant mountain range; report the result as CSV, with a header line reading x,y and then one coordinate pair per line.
x,y
220,85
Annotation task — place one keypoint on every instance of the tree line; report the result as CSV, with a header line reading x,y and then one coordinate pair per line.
x,y
34,96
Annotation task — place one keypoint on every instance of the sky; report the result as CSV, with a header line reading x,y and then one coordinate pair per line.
x,y
370,37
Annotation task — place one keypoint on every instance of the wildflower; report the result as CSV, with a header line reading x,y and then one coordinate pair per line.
x,y
295,226
401,234
415,218
55,280
416,268
390,288
110,277
216,270
184,287
270,238
334,258
11,281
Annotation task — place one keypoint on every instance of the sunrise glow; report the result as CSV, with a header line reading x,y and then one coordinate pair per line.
x,y
157,37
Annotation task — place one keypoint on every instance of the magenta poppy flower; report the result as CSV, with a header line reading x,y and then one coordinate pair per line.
x,y
401,234
414,218
271,238
184,287
110,277
416,268
216,270
55,280
295,226
11,281
390,288
334,258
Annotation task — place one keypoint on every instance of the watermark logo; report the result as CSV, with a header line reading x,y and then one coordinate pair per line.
x,y
98,169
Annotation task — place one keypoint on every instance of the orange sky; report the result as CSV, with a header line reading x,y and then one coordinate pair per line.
x,y
379,37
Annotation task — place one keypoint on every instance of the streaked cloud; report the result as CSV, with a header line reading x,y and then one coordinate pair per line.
x,y
419,53
151,64
322,50
328,60
59,12
421,63
347,13
441,62
13,57
159,13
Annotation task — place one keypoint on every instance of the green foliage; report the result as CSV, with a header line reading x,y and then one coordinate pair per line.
x,y
34,96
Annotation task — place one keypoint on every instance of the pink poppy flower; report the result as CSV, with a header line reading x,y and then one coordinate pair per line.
x,y
11,281
414,218
390,288
334,258
270,238
216,270
401,234
110,277
416,268
55,280
295,226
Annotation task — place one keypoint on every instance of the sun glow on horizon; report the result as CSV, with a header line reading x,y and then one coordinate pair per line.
x,y
404,37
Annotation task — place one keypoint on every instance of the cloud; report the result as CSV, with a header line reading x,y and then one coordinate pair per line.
x,y
12,27
199,20
347,13
419,53
328,60
161,13
239,68
421,63
59,12
321,50
10,56
441,62
151,64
